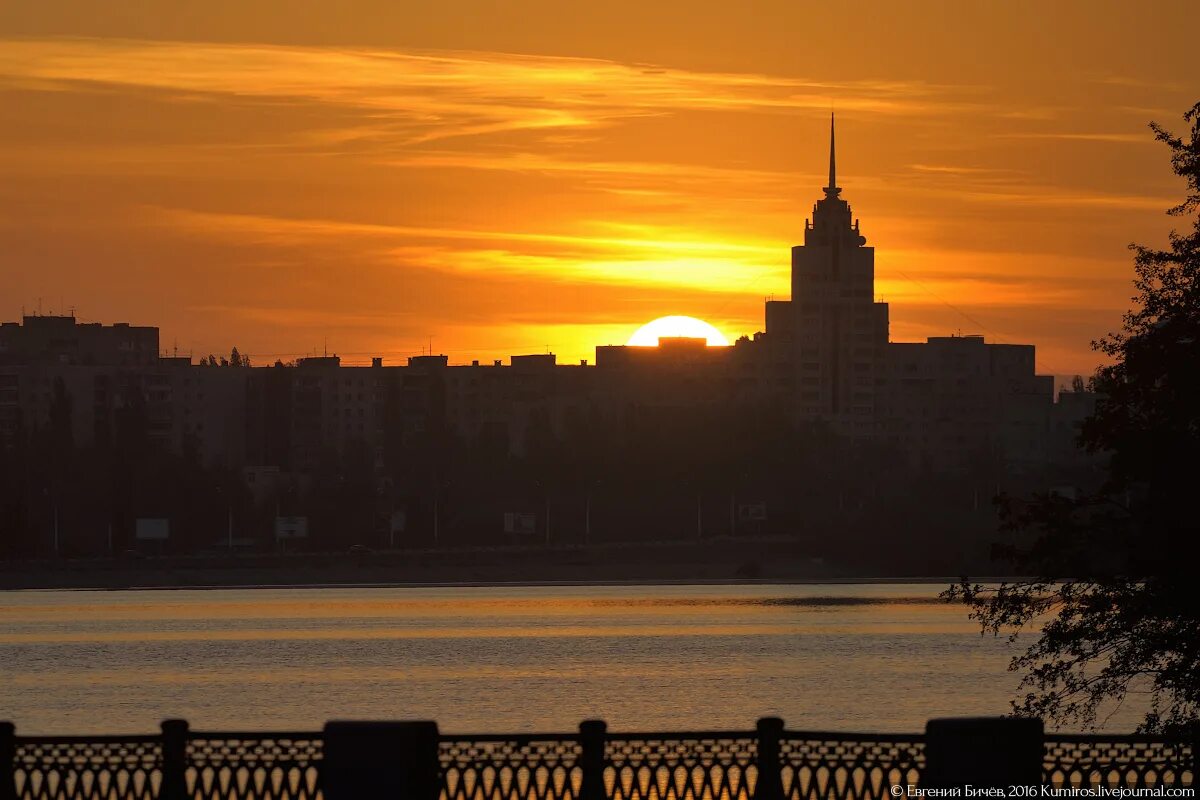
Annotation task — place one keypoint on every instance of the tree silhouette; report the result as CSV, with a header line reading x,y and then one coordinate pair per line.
x,y
1115,568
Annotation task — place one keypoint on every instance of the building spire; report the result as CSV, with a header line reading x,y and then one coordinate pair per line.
x,y
832,189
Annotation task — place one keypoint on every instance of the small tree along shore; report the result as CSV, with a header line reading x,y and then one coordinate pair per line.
x,y
1115,590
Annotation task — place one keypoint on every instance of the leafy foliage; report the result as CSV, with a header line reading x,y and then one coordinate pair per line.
x,y
235,359
1115,571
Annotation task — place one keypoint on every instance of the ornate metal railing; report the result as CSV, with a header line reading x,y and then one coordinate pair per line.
x,y
117,767
266,766
681,766
769,763
546,767
1135,762
816,766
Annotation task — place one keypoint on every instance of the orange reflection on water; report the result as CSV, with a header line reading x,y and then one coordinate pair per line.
x,y
492,658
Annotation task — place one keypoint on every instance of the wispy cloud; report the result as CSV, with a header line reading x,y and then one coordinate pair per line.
x,y
438,94
1007,187
1130,82
1086,136
612,253
650,171
958,169
495,199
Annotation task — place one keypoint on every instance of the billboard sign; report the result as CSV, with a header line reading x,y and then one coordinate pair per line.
x,y
291,528
151,529
752,511
519,522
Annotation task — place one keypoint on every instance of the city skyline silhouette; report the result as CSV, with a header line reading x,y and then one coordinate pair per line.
x,y
319,183
619,401
428,453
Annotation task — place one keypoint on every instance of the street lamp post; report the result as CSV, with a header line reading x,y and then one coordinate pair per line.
x,y
438,485
587,513
228,517
53,500
545,509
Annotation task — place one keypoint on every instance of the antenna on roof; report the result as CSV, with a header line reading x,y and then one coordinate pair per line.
x,y
832,189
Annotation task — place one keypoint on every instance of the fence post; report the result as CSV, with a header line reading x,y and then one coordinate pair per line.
x,y
992,752
1195,756
381,759
592,736
8,761
174,759
769,785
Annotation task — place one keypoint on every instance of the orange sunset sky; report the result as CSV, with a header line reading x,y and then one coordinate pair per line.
x,y
502,177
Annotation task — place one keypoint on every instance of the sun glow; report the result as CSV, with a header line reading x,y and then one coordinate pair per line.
x,y
649,334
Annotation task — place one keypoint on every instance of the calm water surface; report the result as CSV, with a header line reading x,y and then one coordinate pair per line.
x,y
479,659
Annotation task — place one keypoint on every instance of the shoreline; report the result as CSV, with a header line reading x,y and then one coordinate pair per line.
x,y
712,562
468,584
648,562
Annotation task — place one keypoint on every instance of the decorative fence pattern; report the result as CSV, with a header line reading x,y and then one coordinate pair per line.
x,y
674,766
510,767
1136,762
770,763
816,766
108,767
266,766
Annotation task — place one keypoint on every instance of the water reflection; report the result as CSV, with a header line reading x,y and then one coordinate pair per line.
x,y
497,658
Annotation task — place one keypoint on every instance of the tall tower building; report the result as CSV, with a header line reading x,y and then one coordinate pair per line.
x,y
834,331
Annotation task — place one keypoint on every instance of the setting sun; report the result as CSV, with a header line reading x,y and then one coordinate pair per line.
x,y
649,334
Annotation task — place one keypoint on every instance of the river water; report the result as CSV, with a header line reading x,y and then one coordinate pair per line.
x,y
478,659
